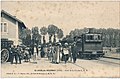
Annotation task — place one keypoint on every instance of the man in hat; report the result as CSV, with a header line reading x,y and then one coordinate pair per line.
x,y
27,55
45,50
19,53
14,54
50,54
54,59
74,52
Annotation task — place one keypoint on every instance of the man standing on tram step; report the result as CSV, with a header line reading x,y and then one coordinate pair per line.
x,y
74,52
14,54
66,52
19,53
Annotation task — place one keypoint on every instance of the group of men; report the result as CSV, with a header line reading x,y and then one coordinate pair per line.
x,y
55,53
15,53
18,53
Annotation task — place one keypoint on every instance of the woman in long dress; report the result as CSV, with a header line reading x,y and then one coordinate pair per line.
x,y
35,54
57,54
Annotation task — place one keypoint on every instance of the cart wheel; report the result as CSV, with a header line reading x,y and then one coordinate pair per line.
x,y
4,55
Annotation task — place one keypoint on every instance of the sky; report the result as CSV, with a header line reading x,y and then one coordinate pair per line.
x,y
65,15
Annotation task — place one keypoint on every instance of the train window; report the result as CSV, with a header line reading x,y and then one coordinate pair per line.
x,y
99,37
95,37
87,37
91,37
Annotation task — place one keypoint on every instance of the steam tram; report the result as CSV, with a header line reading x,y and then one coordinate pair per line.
x,y
5,50
90,45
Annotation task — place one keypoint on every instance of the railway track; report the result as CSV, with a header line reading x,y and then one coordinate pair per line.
x,y
74,64
111,58
109,62
79,66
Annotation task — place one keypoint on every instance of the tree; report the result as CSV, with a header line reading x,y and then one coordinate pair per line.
x,y
76,32
110,36
35,35
52,30
60,34
43,31
25,35
38,39
35,30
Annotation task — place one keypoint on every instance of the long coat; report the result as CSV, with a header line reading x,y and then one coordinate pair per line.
x,y
74,50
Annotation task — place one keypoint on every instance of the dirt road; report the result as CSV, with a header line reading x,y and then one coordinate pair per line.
x,y
43,68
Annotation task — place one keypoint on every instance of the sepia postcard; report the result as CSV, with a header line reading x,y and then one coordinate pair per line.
x,y
60,39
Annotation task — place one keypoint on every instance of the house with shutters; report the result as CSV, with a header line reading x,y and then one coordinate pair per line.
x,y
11,27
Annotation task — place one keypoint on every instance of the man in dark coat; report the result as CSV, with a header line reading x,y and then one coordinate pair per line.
x,y
42,52
11,52
14,54
19,53
74,52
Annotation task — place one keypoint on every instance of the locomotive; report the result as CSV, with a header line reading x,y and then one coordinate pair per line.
x,y
5,49
89,45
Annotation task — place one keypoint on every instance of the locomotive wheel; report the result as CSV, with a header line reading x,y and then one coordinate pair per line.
x,y
4,55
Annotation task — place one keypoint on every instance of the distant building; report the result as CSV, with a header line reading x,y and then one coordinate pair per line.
x,y
11,27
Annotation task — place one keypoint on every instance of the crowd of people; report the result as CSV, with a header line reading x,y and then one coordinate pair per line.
x,y
55,53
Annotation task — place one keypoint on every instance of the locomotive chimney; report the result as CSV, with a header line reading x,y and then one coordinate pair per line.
x,y
90,30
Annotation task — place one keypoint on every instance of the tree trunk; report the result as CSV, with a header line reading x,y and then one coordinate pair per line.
x,y
44,41
50,36
54,39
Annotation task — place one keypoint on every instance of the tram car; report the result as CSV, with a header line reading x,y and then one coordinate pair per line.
x,y
89,45
5,50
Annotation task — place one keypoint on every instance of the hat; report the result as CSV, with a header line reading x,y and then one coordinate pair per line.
x,y
50,43
39,46
26,48
66,43
59,43
74,43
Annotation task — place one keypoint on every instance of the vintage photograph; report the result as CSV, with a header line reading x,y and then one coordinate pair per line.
x,y
60,39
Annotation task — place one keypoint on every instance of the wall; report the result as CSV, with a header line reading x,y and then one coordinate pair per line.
x,y
11,34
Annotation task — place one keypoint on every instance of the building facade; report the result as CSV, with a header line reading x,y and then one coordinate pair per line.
x,y
11,27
